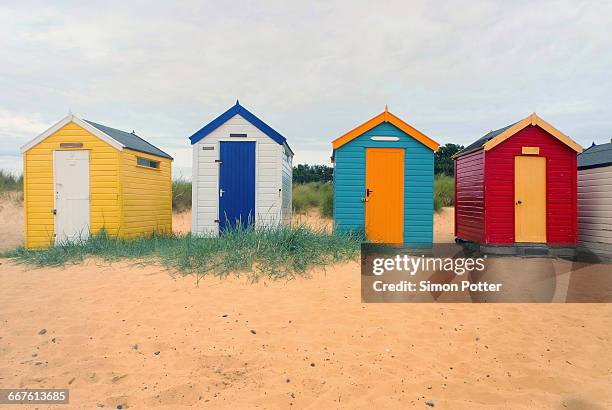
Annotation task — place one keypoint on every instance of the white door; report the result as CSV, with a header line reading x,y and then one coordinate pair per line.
x,y
71,180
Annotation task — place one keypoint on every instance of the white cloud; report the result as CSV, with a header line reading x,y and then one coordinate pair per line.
x,y
21,125
311,70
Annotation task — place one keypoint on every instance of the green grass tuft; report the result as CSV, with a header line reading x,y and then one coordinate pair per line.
x,y
277,253
444,191
314,195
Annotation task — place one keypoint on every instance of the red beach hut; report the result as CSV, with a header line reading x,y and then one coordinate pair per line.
x,y
518,186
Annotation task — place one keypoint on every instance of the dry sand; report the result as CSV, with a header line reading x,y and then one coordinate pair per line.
x,y
181,223
444,225
136,336
11,222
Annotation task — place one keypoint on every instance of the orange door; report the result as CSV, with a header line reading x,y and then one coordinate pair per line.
x,y
384,196
530,199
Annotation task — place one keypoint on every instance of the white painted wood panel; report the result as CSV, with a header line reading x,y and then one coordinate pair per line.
x,y
595,209
268,166
71,184
287,187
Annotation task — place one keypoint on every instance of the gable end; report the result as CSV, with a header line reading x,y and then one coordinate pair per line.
x,y
238,109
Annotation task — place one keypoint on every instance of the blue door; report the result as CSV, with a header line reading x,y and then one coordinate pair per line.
x,y
236,184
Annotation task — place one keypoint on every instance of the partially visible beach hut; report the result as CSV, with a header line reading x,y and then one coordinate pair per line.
x,y
81,176
383,181
518,185
242,174
595,199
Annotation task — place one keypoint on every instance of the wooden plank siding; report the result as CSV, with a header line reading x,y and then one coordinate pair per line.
x,y
349,183
287,186
470,197
146,195
561,187
268,183
39,186
595,209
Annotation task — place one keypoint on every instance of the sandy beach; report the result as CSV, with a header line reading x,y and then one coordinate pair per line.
x,y
140,337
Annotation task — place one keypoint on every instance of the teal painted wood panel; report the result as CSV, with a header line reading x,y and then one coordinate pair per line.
x,y
349,183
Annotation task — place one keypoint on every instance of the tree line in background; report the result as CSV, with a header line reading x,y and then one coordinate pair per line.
x,y
303,173
443,159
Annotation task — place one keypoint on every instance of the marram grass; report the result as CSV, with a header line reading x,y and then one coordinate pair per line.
x,y
444,191
281,252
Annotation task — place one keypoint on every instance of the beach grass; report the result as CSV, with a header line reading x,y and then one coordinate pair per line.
x,y
444,191
280,252
181,195
311,195
10,182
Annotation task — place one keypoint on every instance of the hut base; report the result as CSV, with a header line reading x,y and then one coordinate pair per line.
x,y
537,250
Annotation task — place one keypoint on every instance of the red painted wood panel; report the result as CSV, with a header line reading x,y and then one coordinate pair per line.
x,y
561,187
469,197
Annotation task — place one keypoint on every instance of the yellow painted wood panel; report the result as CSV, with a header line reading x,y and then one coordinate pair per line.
x,y
384,206
39,188
530,199
147,195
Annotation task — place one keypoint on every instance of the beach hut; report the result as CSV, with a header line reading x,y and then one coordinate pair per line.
x,y
383,182
242,174
517,185
595,199
81,176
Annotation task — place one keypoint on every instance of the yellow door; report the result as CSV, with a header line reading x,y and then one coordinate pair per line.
x,y
384,196
530,199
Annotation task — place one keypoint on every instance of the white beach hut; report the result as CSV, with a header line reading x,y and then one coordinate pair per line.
x,y
595,199
242,174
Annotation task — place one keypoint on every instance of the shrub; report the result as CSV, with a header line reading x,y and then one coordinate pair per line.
x,y
327,207
311,195
10,182
444,191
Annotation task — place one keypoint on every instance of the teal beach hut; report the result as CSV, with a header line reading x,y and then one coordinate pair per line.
x,y
383,182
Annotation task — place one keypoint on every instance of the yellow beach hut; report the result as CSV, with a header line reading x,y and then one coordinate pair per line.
x,y
80,177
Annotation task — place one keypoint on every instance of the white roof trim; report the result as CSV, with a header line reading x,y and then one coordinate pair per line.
x,y
83,124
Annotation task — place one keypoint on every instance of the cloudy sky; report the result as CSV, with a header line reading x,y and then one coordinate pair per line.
x,y
313,71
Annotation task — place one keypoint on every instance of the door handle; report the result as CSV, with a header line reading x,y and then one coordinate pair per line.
x,y
519,202
221,192
368,192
